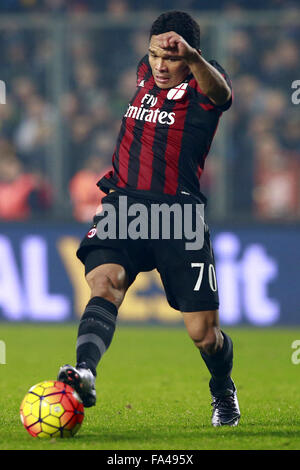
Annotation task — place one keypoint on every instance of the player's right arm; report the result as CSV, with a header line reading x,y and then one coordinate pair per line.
x,y
210,80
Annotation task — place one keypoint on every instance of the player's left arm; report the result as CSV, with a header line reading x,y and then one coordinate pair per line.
x,y
209,79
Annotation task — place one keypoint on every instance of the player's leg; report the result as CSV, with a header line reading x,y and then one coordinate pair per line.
x,y
216,349
108,283
214,345
111,266
190,283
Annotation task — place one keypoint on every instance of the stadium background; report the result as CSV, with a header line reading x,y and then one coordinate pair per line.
x,y
69,69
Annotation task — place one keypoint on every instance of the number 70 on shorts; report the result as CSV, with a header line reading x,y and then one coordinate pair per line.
x,y
211,276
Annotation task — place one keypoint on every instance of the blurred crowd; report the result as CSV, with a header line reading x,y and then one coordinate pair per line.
x,y
265,123
124,6
263,145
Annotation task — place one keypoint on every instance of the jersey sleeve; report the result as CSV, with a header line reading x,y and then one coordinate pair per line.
x,y
143,71
202,97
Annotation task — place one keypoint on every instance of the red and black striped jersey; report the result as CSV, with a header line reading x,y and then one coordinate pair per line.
x,y
165,136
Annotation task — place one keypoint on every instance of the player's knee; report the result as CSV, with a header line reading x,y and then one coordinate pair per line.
x,y
207,342
108,283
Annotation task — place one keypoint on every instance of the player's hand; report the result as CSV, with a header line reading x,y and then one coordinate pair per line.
x,y
176,46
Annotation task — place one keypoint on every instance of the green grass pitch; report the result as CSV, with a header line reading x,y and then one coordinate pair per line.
x,y
153,389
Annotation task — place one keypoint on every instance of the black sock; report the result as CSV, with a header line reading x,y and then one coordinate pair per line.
x,y
95,332
220,365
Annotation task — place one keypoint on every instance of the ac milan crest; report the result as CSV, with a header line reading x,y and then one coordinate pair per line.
x,y
178,92
92,233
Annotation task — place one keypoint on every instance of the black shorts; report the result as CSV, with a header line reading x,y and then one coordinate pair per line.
x,y
188,275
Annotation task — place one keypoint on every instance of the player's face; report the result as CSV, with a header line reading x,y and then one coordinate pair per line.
x,y
168,71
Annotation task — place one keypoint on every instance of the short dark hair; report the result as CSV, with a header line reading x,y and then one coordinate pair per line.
x,y
180,22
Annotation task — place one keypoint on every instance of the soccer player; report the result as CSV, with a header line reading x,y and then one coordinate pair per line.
x,y
165,136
